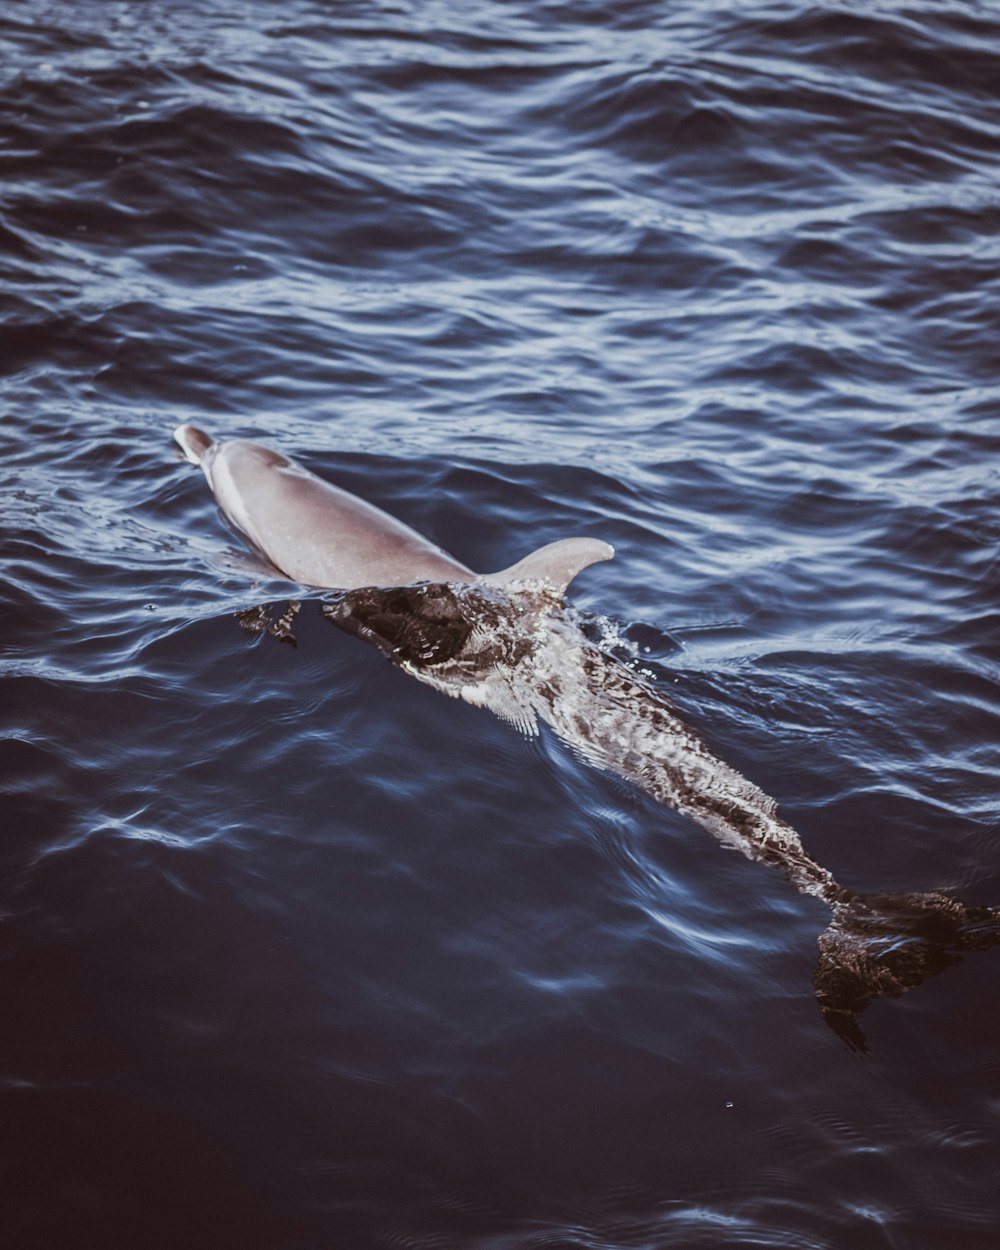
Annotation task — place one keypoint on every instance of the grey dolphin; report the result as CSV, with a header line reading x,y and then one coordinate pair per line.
x,y
319,535
503,641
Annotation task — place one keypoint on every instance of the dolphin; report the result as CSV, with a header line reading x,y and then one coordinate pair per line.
x,y
319,535
506,642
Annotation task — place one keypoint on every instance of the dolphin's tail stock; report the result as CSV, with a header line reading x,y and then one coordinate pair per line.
x,y
885,944
193,442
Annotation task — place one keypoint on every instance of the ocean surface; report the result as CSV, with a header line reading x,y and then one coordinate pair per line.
x,y
297,953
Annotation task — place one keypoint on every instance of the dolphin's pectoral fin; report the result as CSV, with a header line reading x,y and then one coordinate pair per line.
x,y
257,620
555,564
882,945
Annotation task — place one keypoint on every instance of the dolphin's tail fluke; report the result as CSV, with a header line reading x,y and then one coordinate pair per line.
x,y
885,944
193,442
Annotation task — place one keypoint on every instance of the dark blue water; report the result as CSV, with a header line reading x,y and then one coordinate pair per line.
x,y
295,952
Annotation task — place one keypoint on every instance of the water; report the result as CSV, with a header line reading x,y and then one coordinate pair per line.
x,y
297,952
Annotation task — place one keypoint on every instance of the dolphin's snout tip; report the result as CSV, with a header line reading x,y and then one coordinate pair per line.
x,y
192,442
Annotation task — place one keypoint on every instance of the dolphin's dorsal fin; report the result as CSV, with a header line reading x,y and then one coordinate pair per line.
x,y
555,564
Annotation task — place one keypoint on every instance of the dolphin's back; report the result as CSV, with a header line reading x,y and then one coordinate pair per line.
x,y
320,535
310,530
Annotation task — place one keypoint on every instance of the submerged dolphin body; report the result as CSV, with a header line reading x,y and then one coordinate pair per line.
x,y
505,642
527,660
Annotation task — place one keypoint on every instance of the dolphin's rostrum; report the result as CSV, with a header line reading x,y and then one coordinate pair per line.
x,y
504,641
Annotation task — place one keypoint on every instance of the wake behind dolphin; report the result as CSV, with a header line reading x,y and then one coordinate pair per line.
x,y
505,642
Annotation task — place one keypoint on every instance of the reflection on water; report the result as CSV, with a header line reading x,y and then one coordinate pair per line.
x,y
524,656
